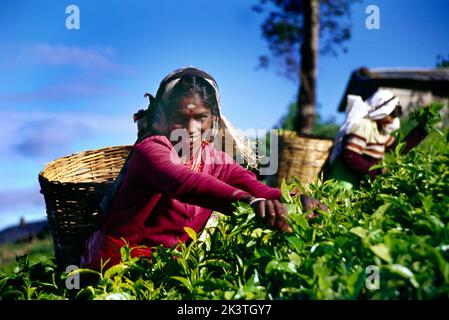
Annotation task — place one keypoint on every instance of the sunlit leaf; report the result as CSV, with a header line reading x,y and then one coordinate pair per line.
x,y
191,233
382,251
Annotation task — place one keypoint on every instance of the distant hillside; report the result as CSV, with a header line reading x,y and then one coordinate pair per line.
x,y
24,231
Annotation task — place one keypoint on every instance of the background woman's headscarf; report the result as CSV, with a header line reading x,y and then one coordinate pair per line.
x,y
378,106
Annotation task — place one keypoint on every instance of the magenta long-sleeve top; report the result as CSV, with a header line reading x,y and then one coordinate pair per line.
x,y
160,196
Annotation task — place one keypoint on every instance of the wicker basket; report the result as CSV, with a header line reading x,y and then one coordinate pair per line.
x,y
301,157
73,187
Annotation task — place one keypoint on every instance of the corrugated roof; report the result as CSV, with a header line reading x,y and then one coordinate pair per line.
x,y
412,73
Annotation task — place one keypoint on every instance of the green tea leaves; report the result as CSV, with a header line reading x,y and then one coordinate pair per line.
x,y
403,272
394,229
286,197
382,251
191,233
360,231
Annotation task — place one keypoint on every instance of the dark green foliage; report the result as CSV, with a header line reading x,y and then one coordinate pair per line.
x,y
283,30
429,115
442,62
322,128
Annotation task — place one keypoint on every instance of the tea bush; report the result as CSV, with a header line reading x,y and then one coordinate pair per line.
x,y
387,240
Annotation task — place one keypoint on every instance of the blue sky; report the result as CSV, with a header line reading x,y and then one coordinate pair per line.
x,y
63,91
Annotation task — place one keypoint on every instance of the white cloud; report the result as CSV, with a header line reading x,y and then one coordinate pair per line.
x,y
88,58
29,140
46,135
14,199
26,202
63,92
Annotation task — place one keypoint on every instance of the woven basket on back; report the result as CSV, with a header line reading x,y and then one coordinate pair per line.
x,y
301,157
73,187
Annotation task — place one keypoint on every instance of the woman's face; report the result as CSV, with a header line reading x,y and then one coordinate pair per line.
x,y
191,114
382,123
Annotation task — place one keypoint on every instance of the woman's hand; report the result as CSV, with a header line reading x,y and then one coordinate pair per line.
x,y
309,204
274,213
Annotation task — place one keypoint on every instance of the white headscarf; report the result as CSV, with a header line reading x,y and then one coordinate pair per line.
x,y
378,106
381,104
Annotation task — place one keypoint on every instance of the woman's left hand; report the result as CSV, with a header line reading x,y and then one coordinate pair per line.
x,y
309,204
274,213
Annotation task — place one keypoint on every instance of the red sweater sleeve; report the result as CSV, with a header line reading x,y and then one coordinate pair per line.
x,y
246,180
153,163
356,161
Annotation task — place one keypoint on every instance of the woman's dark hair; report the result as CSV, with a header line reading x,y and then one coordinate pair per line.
x,y
190,85
397,112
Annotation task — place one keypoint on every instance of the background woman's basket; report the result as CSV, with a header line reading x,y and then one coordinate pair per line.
x,y
73,187
301,157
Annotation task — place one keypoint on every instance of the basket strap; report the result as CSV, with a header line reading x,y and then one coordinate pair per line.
x,y
111,191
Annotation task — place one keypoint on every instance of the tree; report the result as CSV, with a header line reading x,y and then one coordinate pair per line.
x,y
292,29
442,62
